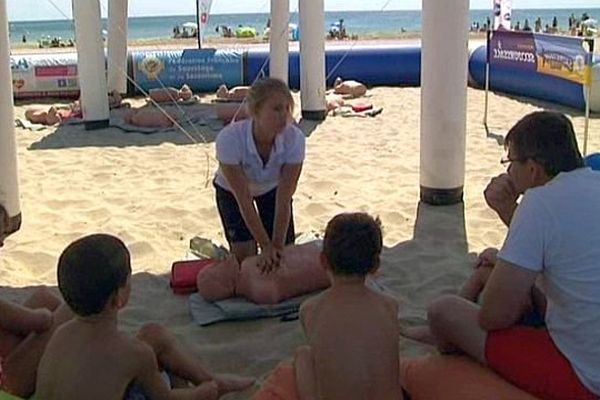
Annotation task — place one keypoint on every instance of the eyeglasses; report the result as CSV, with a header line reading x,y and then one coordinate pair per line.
x,y
507,160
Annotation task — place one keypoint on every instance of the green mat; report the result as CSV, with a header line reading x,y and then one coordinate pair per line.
x,y
6,396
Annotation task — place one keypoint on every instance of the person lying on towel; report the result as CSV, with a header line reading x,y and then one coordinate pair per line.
x,y
149,117
352,331
301,273
349,88
90,358
237,93
170,94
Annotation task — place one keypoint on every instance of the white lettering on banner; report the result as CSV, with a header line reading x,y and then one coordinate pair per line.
x,y
514,55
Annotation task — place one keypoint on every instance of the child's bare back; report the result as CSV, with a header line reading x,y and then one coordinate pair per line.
x,y
77,361
352,331
353,336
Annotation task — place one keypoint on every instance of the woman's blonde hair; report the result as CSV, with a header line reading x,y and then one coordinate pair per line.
x,y
263,89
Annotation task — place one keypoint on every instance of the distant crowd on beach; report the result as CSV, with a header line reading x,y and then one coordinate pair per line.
x,y
583,26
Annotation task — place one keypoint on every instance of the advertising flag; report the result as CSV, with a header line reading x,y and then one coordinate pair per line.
x,y
502,14
203,14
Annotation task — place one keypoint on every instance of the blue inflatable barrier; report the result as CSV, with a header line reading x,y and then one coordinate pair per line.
x,y
203,70
593,161
372,65
526,83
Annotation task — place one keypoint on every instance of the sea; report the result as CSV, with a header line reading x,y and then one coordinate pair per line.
x,y
365,24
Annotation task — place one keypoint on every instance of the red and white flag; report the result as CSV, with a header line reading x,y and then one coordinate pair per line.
x,y
203,14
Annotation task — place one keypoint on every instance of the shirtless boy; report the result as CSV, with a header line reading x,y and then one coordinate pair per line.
x,y
89,358
352,331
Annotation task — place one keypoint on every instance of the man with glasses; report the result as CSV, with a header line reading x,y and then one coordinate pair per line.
x,y
553,235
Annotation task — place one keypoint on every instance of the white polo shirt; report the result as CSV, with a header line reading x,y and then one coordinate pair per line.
x,y
235,145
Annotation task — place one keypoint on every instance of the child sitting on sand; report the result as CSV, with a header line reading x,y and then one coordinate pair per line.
x,y
89,358
25,330
352,331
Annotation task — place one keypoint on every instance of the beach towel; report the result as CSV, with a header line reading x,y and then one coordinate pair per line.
x,y
26,124
280,385
240,309
124,126
347,111
222,100
195,99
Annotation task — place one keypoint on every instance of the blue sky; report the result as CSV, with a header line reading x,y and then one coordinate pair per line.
x,y
58,9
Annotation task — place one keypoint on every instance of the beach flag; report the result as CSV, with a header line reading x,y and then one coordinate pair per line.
x,y
502,14
203,14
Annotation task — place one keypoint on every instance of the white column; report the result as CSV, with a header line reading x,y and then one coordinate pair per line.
x,y
312,59
444,64
91,63
117,45
9,182
279,40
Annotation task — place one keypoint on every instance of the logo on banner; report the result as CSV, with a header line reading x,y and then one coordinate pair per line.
x,y
151,67
562,56
204,18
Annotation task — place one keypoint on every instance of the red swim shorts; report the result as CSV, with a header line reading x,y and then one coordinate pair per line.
x,y
528,358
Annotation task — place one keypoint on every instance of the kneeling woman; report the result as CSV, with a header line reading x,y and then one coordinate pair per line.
x,y
260,161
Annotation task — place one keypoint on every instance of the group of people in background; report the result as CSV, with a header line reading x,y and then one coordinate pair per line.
x,y
584,26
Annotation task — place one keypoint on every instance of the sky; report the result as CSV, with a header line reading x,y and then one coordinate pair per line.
x,y
19,10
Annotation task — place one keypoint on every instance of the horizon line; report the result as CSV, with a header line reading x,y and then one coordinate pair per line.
x,y
295,12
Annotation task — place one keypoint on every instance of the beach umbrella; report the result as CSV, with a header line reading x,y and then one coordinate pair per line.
x,y
189,25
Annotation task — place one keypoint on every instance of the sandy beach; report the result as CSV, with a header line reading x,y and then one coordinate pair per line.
x,y
153,192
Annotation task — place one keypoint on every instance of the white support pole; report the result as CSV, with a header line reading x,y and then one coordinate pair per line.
x,y
279,40
312,59
9,182
444,62
91,64
117,46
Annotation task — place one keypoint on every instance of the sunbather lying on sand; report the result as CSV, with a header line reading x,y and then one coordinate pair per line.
x,y
228,112
349,88
147,117
301,273
55,115
237,93
334,101
41,116
170,94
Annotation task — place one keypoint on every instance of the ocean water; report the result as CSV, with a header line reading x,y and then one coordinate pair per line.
x,y
362,23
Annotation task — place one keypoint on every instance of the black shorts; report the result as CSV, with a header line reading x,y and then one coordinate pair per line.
x,y
235,227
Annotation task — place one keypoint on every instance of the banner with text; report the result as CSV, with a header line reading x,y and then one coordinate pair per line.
x,y
502,14
202,70
562,56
